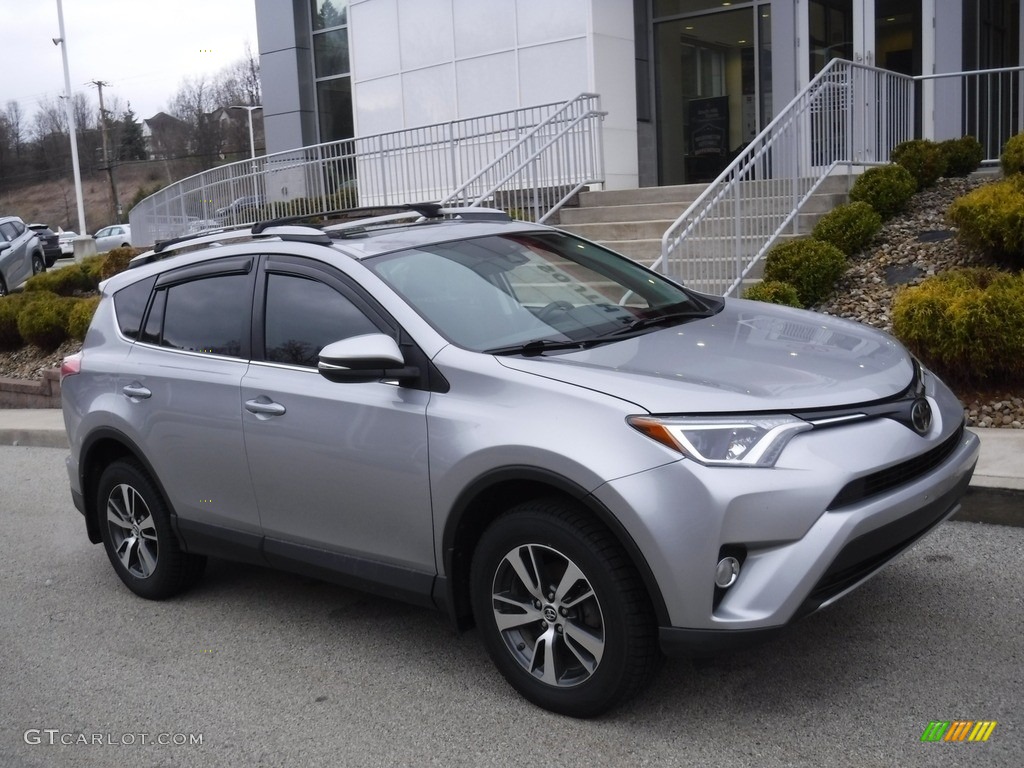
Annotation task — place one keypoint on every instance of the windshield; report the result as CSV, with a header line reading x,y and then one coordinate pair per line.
x,y
493,293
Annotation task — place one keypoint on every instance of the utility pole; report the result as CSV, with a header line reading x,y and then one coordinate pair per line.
x,y
62,42
106,159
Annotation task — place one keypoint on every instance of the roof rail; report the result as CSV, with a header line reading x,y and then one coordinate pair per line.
x,y
418,210
163,249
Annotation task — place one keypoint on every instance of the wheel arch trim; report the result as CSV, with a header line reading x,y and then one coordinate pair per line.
x,y
452,591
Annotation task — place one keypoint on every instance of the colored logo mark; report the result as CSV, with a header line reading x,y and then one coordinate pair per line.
x,y
958,730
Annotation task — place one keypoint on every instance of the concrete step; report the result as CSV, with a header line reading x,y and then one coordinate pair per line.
x,y
685,193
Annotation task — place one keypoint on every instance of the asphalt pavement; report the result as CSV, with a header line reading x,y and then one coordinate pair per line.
x,y
256,668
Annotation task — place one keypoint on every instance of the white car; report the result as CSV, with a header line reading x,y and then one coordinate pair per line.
x,y
114,236
66,239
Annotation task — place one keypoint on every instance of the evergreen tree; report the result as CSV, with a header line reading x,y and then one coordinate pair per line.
x,y
133,143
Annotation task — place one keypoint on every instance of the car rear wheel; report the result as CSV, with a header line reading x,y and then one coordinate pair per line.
x,y
3,286
38,264
562,612
136,530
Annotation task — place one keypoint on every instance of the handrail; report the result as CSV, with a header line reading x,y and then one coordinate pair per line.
x,y
525,159
849,115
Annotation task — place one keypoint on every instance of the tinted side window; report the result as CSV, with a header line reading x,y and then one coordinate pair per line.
x,y
303,316
130,304
209,315
7,231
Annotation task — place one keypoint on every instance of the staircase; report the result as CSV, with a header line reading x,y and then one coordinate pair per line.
x,y
632,221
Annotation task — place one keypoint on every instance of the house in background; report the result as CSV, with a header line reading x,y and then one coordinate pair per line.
x,y
166,137
685,83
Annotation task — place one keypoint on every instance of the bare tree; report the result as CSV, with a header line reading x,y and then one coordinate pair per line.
x,y
14,120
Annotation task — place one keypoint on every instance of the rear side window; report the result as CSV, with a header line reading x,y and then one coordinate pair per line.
x,y
130,305
210,315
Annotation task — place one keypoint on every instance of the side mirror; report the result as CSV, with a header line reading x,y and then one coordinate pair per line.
x,y
371,357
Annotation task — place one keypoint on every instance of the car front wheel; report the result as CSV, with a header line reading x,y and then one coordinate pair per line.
x,y
136,530
562,612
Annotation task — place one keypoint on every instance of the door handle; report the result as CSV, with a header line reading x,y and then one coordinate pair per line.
x,y
264,406
135,391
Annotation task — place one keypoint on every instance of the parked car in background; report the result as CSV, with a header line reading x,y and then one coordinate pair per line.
x,y
49,241
114,236
67,242
241,210
21,255
589,461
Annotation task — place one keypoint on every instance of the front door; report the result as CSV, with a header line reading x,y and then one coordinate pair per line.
x,y
339,469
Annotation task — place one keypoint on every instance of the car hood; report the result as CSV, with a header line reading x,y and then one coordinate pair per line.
x,y
751,356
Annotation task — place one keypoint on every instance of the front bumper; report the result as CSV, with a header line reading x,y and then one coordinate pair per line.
x,y
801,551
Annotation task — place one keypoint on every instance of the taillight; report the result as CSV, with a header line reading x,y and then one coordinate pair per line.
x,y
70,365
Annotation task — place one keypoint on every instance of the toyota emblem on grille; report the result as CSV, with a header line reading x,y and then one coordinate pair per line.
x,y
921,416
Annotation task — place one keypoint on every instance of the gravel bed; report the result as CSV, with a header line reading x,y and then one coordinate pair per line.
x,y
911,247
915,245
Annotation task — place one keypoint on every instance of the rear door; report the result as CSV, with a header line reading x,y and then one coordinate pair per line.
x,y
340,469
182,380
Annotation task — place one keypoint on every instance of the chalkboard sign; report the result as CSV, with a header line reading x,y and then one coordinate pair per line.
x,y
709,126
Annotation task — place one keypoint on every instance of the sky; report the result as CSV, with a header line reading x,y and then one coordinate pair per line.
x,y
143,48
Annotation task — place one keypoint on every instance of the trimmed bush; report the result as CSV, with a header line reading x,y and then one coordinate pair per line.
x,y
66,281
44,322
848,227
93,267
773,292
80,317
967,324
1012,159
10,338
887,189
923,158
116,261
810,266
991,219
963,156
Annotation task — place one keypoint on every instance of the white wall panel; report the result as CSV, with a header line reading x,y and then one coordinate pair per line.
x,y
374,39
541,21
425,32
429,95
553,72
487,84
484,26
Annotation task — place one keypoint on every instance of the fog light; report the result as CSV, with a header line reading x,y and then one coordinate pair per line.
x,y
727,571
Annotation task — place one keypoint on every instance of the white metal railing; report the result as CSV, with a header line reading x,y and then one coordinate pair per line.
x,y
848,114
530,160
992,104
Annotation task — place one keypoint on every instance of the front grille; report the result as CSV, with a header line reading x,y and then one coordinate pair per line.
x,y
879,482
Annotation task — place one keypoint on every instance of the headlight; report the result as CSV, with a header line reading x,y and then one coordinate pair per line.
x,y
744,441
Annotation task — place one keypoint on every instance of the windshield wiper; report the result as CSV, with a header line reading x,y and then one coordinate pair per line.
x,y
671,318
539,346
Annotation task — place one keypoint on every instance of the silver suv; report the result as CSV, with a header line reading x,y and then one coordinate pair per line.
x,y
21,254
589,462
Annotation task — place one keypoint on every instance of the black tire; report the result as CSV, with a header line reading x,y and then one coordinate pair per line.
x,y
598,623
3,286
38,263
135,525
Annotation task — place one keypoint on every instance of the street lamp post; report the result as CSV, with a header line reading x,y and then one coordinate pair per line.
x,y
69,105
252,141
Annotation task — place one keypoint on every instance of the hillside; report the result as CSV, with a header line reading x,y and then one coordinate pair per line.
x,y
53,203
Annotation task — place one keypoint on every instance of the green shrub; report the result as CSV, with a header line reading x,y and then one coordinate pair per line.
x,y
117,261
887,189
66,281
991,219
1012,159
810,266
93,267
967,324
848,227
10,338
44,322
80,317
923,158
773,292
963,156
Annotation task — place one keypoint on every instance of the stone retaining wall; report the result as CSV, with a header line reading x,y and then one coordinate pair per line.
x,y
31,393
